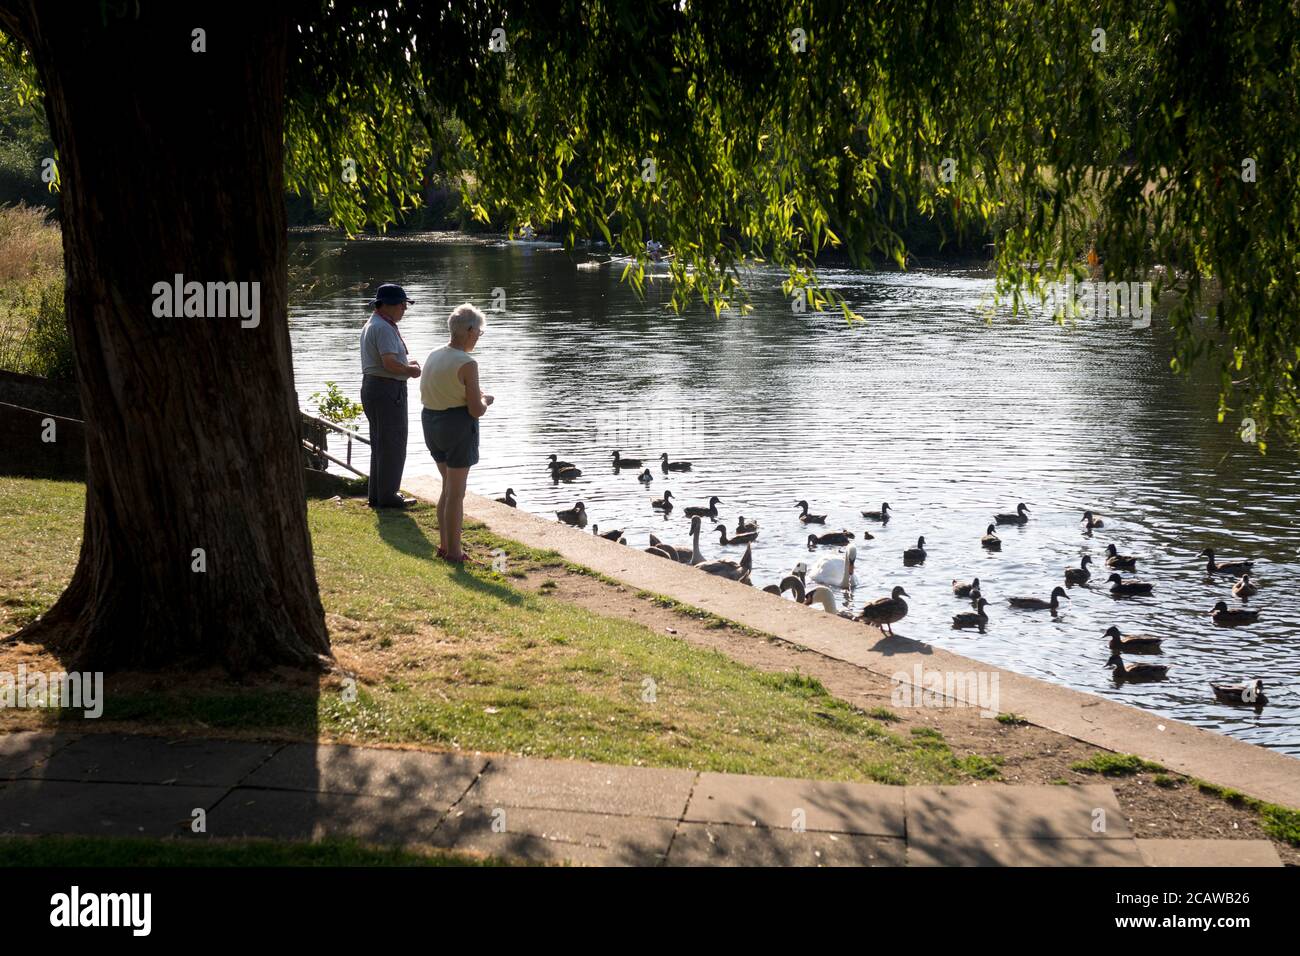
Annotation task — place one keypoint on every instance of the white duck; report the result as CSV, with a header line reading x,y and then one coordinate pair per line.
x,y
836,571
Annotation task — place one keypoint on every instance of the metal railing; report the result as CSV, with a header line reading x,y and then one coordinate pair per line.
x,y
314,426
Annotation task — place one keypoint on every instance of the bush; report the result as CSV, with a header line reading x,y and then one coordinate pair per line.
x,y
34,335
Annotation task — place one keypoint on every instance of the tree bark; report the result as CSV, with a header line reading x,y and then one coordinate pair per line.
x,y
171,163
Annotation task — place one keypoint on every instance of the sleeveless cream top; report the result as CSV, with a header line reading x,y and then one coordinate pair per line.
x,y
440,389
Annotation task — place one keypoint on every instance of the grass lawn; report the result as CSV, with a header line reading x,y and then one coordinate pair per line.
x,y
451,658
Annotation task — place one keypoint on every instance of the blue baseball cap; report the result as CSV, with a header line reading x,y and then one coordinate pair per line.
x,y
390,294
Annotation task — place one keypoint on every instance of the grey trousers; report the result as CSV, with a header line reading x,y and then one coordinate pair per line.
x,y
384,402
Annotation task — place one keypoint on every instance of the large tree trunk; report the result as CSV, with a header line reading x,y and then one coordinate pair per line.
x,y
172,163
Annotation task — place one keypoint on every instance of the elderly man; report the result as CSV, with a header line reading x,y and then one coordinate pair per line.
x,y
385,369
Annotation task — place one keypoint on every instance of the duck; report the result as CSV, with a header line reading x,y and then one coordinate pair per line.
x,y
660,551
743,526
975,595
977,618
1225,617
690,555
830,537
576,516
731,570
564,472
1120,562
1021,516
1136,672
663,504
615,536
553,461
1245,588
1228,567
915,555
882,515
788,583
991,541
509,498
1038,604
822,596
1251,692
887,611
963,590
1133,644
836,571
807,518
710,512
1089,522
673,465
743,538
1121,588
621,462
800,571
1079,575
645,477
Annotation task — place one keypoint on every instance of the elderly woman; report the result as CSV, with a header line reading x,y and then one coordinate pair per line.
x,y
453,404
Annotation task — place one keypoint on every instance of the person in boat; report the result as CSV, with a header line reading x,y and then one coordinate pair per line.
x,y
385,369
453,403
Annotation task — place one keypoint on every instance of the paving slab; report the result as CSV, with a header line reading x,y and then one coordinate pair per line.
x,y
556,836
985,852
101,809
1208,853
122,758
582,787
979,814
429,777
302,815
722,844
21,751
781,803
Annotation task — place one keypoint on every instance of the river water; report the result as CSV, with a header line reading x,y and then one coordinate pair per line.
x,y
926,405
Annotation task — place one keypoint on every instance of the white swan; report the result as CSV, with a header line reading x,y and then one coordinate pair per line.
x,y
823,597
836,571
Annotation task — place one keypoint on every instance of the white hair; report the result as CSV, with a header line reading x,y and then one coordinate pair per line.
x,y
465,317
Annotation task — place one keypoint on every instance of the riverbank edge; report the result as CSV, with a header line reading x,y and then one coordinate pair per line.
x,y
1189,750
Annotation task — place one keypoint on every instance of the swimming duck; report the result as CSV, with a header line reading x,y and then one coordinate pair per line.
x,y
1120,562
1121,588
977,618
1038,604
836,571
1225,617
788,583
732,570
564,472
739,539
663,504
673,465
1136,672
915,555
1245,587
1133,644
807,518
830,537
991,541
683,555
576,516
615,536
1251,692
645,477
621,462
822,597
964,590
743,526
884,612
1021,516
1079,575
1089,522
881,515
710,512
1229,567
554,462
509,499
975,596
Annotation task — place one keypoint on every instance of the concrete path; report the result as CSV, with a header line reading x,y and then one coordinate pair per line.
x,y
561,811
1257,771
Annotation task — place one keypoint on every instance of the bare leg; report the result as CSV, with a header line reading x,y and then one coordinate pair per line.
x,y
454,488
442,509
